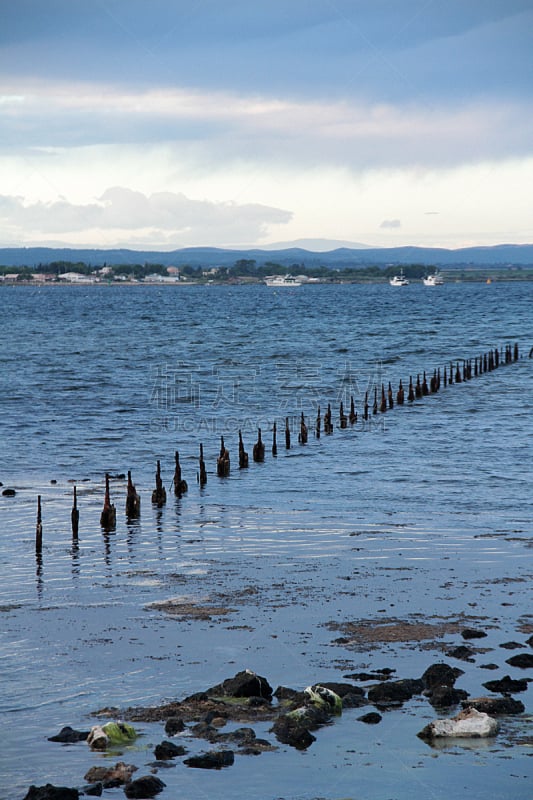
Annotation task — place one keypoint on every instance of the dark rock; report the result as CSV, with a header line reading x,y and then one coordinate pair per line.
x,y
353,701
243,684
440,675
174,725
530,641
379,675
472,633
284,693
462,652
522,660
343,689
395,692
167,750
240,736
203,730
495,705
372,718
216,759
147,786
445,696
489,666
94,790
292,732
49,792
507,685
111,777
12,493
68,735
512,645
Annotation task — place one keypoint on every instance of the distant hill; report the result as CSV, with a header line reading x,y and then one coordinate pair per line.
x,y
503,254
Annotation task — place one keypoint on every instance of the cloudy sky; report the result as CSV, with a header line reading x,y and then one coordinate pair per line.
x,y
169,123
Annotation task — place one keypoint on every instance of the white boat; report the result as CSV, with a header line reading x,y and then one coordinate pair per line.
x,y
282,280
399,280
433,280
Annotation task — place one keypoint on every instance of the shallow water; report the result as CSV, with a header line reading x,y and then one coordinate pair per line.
x,y
423,512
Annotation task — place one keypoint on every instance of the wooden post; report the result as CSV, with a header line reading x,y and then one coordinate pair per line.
x,y
223,462
302,438
318,423
400,395
383,403
108,517
343,419
259,448
243,455
328,425
39,527
425,390
390,398
133,501
75,516
274,442
287,434
365,411
180,485
202,474
418,388
411,390
159,495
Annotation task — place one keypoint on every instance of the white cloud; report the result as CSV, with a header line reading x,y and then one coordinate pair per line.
x,y
160,218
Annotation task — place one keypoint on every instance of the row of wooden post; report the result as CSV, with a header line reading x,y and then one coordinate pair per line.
x,y
451,374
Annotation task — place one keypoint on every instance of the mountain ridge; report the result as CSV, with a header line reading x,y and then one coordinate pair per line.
x,y
502,254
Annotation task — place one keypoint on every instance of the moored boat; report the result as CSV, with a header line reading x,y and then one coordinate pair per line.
x,y
282,280
399,280
433,280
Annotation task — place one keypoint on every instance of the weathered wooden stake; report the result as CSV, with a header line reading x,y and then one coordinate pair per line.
x,y
383,403
108,517
375,404
287,434
75,516
411,390
159,495
180,484
318,423
133,501
418,388
425,389
365,408
343,419
328,424
259,448
243,455
302,437
202,474
223,462
390,398
400,394
274,442
39,527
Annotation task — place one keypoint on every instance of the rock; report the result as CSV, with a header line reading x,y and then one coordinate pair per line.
x,y
512,645
372,718
468,724
495,705
50,792
216,759
167,750
507,685
174,725
93,790
111,776
243,684
489,666
395,692
147,786
324,699
440,675
284,693
445,696
353,701
296,734
241,737
472,633
68,735
343,689
111,734
462,652
530,641
12,493
522,660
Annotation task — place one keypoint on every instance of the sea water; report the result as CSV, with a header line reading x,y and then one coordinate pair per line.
x,y
421,513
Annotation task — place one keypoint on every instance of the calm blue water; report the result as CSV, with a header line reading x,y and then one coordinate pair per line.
x,y
424,512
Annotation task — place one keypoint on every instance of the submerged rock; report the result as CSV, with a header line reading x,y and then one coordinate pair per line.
x,y
468,724
394,693
522,660
461,652
472,633
174,725
507,685
372,718
68,735
167,750
50,792
111,776
145,787
440,674
495,705
446,696
216,759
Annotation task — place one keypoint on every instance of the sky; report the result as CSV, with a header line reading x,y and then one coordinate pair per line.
x,y
160,124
